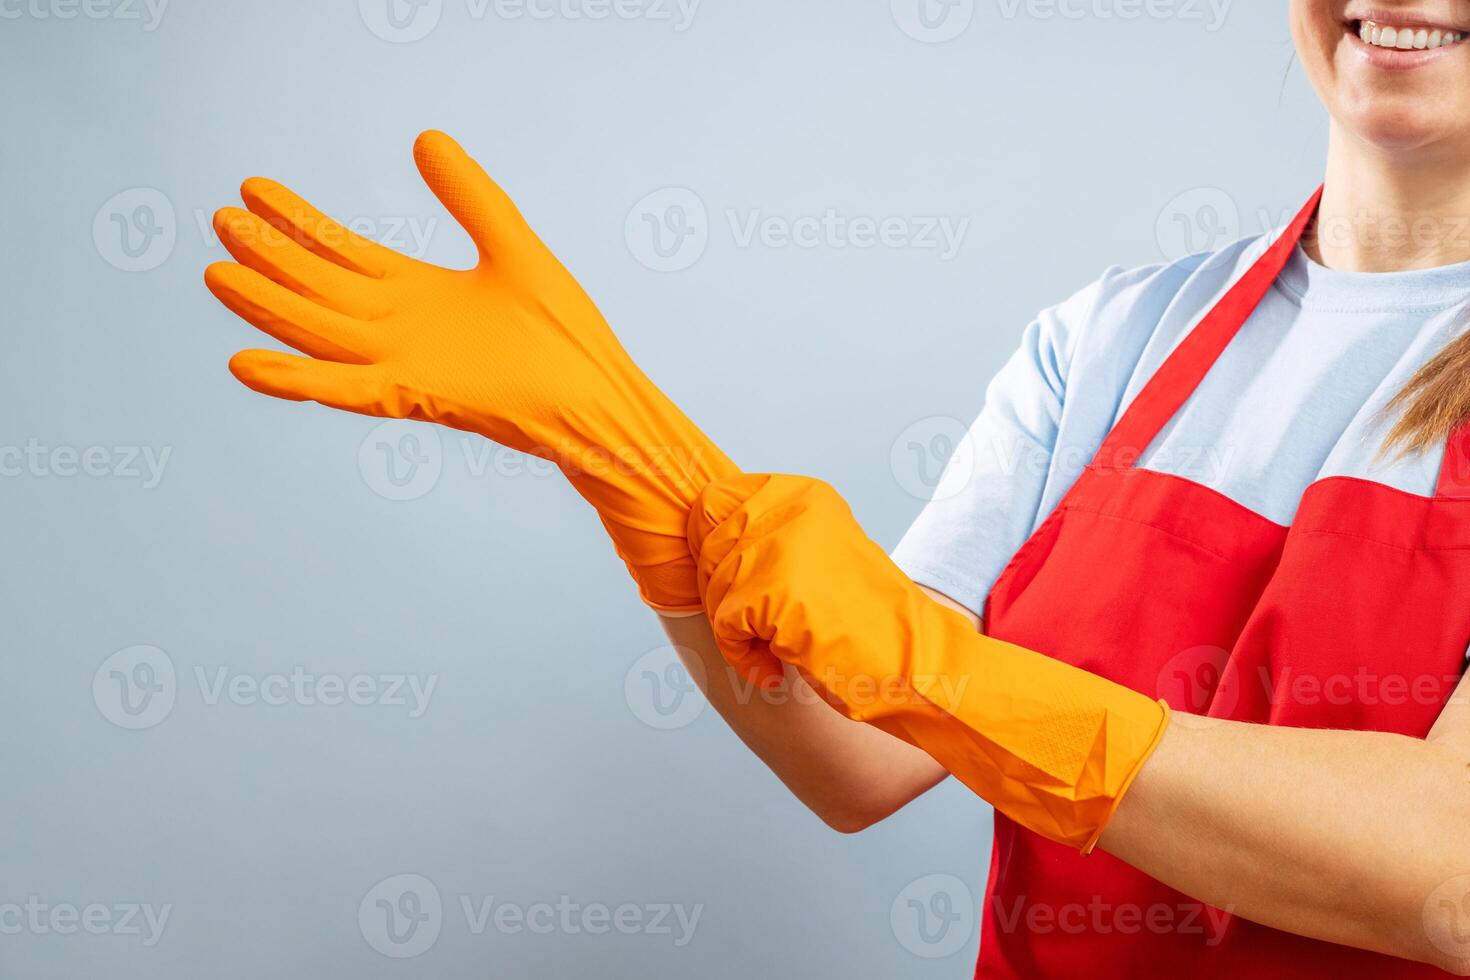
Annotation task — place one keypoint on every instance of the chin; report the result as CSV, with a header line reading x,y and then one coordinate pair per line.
x,y
1393,98
1391,126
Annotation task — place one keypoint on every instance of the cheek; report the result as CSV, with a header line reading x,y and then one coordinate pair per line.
x,y
1316,31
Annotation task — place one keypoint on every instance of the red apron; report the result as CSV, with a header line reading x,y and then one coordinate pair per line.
x,y
1353,618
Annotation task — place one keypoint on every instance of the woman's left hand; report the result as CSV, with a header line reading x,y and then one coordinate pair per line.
x,y
512,349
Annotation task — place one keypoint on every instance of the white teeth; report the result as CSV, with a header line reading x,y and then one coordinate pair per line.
x,y
1406,38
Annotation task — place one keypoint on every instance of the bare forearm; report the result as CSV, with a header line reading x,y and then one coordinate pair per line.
x,y
1342,836
851,775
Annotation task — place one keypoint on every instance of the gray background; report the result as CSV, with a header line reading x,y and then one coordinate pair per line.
x,y
546,763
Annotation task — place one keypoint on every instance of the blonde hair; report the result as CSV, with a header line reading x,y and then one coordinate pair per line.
x,y
1434,403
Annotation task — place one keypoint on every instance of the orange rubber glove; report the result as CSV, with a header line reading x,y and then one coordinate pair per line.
x,y
788,575
512,349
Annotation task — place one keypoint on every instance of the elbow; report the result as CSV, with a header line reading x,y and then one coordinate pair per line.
x,y
1440,919
853,816
1431,924
852,809
1403,933
853,804
848,822
1444,936
1455,966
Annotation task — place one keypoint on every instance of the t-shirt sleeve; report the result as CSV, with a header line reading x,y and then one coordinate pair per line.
x,y
986,503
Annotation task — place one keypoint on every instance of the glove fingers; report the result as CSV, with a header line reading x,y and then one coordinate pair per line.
x,y
350,387
714,527
289,318
737,613
468,193
315,231
261,246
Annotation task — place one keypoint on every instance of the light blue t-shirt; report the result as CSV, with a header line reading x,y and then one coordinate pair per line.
x,y
1296,397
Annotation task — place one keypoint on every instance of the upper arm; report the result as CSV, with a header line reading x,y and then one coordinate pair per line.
x,y
987,500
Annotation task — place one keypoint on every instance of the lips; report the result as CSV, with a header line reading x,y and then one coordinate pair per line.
x,y
1401,41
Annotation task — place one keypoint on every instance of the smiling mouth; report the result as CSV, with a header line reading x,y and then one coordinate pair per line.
x,y
1405,37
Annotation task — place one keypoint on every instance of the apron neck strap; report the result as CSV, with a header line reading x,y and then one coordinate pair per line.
x,y
1178,377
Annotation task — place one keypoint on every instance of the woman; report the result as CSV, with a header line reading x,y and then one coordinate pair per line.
x,y
1299,601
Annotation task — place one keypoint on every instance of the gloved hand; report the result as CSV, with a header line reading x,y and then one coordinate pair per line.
x,y
512,349
788,575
